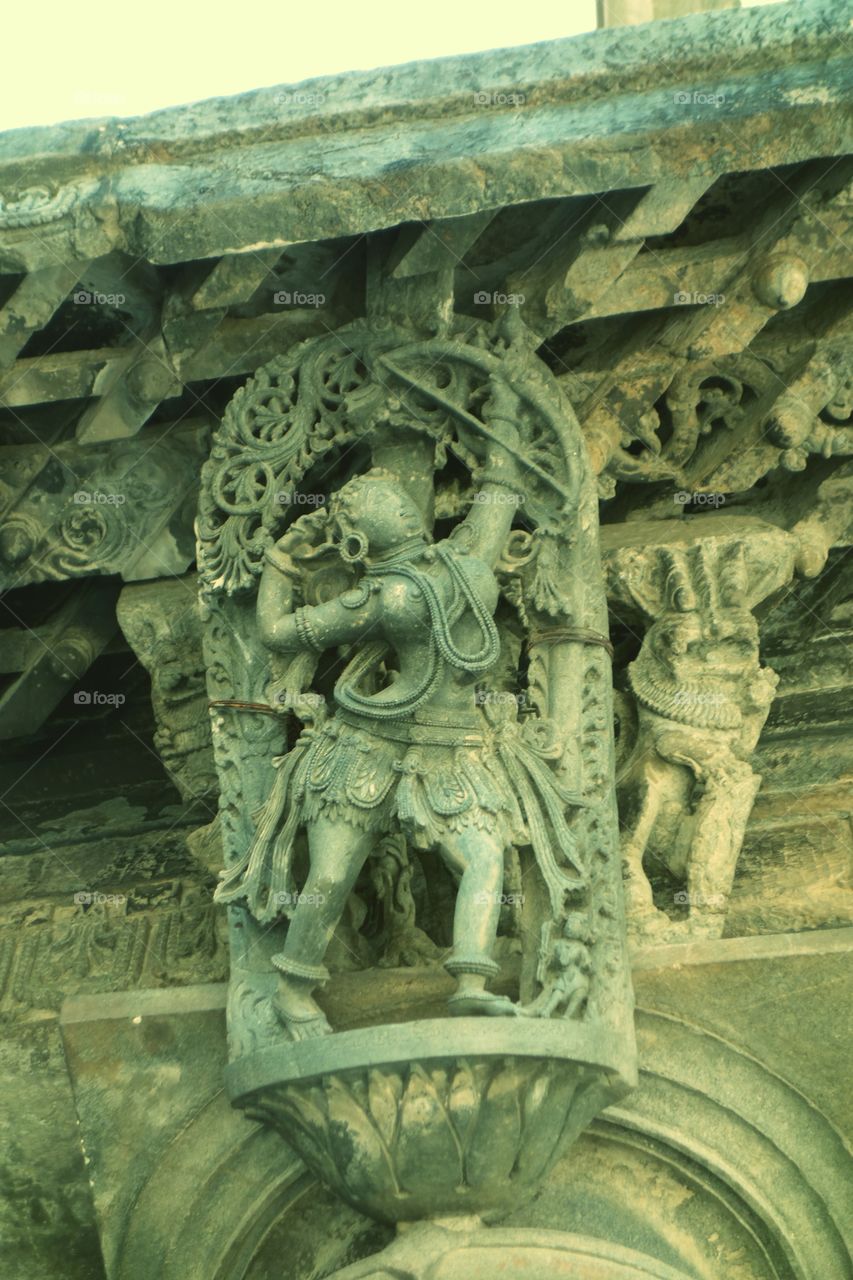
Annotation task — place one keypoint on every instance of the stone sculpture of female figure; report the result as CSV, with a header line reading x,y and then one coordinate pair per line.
x,y
409,746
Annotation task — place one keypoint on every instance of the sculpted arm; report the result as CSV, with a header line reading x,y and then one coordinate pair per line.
x,y
318,627
499,494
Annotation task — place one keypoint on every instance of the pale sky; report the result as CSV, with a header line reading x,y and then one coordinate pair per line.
x,y
67,60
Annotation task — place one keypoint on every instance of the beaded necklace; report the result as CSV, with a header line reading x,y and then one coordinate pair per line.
x,y
442,646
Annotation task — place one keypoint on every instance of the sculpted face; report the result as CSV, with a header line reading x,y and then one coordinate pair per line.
x,y
722,645
371,514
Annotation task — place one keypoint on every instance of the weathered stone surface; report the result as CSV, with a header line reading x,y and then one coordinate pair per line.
x,y
771,995
462,1250
727,1156
93,901
47,1223
52,659
70,513
161,622
700,700
668,211
408,1122
32,305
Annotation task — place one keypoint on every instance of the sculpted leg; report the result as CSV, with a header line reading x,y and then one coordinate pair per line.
x,y
337,853
642,815
479,858
721,819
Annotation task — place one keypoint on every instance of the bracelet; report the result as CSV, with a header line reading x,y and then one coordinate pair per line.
x,y
305,631
577,635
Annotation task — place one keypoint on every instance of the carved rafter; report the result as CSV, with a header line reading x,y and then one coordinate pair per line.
x,y
47,661
651,279
573,265
234,278
32,305
412,275
596,247
787,243
236,346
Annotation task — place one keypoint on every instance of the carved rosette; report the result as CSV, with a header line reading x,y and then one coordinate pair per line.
x,y
117,509
726,422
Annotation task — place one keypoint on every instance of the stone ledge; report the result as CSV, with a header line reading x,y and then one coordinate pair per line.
x,y
211,996
768,946
155,1089
598,112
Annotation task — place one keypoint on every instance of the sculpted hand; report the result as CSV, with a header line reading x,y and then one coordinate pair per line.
x,y
307,533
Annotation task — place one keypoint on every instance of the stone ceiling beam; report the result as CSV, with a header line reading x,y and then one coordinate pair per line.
x,y
207,344
652,281
788,240
568,281
236,347
786,245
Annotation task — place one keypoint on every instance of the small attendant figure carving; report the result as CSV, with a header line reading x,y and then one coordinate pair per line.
x,y
408,748
564,970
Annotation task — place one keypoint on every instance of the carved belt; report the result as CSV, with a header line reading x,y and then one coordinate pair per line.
x,y
430,728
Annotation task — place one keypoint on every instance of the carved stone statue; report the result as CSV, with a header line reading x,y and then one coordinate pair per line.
x,y
686,787
409,742
436,621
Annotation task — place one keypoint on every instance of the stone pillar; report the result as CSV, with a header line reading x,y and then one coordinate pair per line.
x,y
629,13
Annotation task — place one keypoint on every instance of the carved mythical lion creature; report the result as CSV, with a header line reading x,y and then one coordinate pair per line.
x,y
687,788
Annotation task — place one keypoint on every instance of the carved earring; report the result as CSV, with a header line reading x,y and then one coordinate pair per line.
x,y
353,548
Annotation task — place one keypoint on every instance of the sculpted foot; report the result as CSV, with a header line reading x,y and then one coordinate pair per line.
x,y
305,1028
481,1003
300,1016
